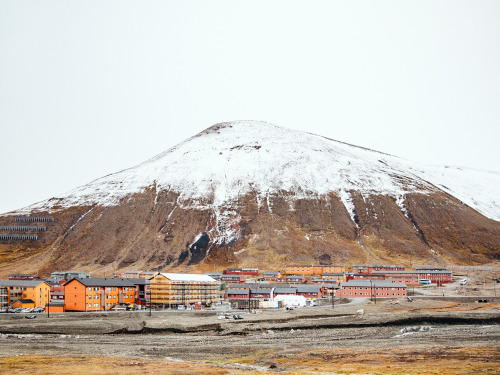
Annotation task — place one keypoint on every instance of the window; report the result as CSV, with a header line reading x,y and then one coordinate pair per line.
x,y
90,289
90,305
90,297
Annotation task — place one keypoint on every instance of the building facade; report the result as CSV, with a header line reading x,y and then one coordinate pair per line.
x,y
309,270
369,268
36,290
373,289
182,289
97,294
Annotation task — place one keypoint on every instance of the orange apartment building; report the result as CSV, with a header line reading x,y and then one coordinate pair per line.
x,y
96,294
310,270
29,293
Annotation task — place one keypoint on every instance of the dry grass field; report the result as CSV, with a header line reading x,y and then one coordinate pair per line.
x,y
422,337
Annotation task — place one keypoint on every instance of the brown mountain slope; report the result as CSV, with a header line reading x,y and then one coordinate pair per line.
x,y
142,233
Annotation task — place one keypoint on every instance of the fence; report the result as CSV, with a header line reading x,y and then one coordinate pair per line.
x,y
35,218
23,228
22,237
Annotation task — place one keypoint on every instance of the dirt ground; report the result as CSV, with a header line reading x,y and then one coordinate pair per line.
x,y
427,336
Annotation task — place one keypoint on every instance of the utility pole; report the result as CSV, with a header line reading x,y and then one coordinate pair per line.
x,y
371,291
333,298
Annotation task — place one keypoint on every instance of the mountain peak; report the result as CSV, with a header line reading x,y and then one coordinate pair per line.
x,y
230,159
250,193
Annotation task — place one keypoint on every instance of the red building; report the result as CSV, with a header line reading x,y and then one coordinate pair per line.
x,y
309,291
438,277
376,288
232,294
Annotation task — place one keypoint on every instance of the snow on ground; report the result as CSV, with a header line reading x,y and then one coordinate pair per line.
x,y
213,168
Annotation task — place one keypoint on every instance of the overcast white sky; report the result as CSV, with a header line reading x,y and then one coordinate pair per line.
x,y
88,88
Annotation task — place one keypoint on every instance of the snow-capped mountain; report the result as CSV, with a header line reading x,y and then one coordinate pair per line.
x,y
247,170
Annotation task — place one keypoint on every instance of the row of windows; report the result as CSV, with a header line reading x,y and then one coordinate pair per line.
x,y
367,288
125,289
377,294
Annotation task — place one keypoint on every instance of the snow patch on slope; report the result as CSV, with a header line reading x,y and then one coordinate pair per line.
x,y
226,161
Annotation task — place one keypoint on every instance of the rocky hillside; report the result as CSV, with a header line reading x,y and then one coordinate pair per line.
x,y
255,194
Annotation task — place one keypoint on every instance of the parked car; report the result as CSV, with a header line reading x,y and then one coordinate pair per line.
x,y
30,316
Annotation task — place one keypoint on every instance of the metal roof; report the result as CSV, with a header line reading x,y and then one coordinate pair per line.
x,y
238,291
406,272
22,283
376,283
377,265
260,291
138,280
308,288
188,277
103,281
285,290
22,300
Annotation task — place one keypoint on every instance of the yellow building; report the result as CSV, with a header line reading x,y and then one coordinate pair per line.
x,y
182,289
36,290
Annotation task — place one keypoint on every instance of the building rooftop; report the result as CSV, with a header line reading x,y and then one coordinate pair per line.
x,y
238,291
21,283
188,277
308,288
104,282
22,300
378,265
405,272
375,283
285,290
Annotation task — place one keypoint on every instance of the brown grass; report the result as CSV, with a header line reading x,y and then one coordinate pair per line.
x,y
418,361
